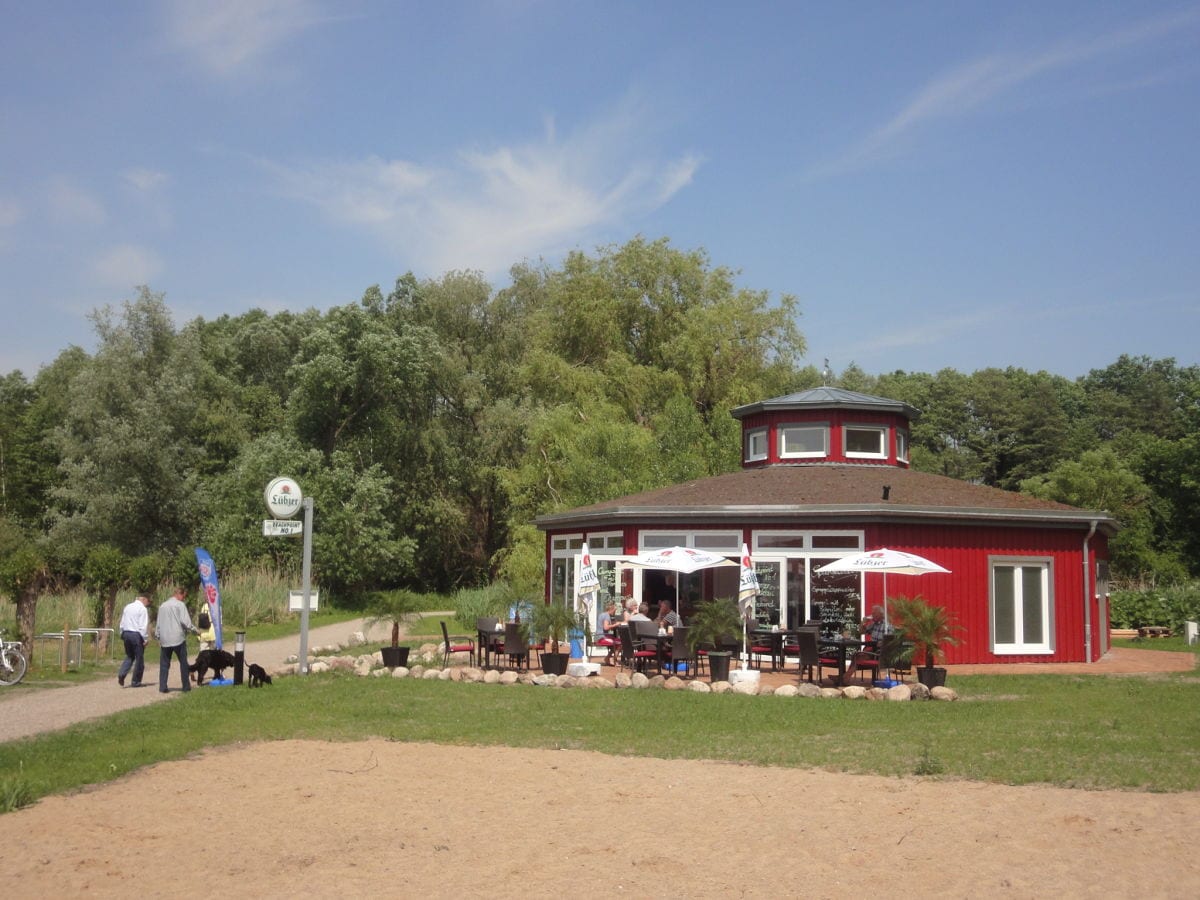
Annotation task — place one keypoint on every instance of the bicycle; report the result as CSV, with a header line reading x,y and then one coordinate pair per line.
x,y
12,662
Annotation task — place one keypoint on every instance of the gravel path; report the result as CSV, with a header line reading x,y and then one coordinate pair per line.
x,y
26,710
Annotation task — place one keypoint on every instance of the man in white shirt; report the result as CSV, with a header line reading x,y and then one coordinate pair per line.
x,y
171,627
135,631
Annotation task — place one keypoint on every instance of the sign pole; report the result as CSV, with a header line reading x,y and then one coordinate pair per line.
x,y
306,585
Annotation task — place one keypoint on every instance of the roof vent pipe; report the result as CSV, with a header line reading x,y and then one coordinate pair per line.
x,y
887,490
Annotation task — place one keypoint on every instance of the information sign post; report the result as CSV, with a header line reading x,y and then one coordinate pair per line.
x,y
306,585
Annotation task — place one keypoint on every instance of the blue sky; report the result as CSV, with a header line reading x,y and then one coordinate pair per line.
x,y
950,184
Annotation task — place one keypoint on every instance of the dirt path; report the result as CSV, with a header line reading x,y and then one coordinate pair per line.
x,y
382,818
26,710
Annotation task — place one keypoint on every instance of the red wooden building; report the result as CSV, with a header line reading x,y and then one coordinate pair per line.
x,y
825,474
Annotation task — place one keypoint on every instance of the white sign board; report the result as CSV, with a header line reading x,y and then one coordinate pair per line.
x,y
282,527
296,600
283,498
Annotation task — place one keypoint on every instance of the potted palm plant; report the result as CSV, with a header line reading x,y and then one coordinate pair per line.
x,y
712,625
928,628
395,608
554,621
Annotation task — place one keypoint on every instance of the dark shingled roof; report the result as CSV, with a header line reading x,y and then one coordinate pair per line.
x,y
781,492
827,398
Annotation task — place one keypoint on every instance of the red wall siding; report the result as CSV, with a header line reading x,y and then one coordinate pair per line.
x,y
966,551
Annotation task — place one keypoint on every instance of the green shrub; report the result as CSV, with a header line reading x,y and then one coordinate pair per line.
x,y
1169,607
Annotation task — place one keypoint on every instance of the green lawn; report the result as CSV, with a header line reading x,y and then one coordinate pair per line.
x,y
1086,732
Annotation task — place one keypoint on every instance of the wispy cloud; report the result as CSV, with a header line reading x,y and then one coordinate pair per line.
x,y
230,36
972,86
493,207
125,266
69,204
145,180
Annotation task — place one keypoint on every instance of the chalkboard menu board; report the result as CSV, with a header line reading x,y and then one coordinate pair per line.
x,y
837,599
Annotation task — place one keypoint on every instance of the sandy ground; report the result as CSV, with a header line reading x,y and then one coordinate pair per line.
x,y
394,819
402,820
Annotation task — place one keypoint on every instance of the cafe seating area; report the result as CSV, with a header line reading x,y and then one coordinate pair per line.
x,y
803,653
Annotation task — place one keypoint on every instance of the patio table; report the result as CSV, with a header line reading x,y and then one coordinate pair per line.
x,y
842,646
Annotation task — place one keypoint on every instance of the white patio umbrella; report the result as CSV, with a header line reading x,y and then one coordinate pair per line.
x,y
747,590
679,559
885,561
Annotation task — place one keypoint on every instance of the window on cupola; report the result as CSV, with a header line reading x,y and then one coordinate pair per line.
x,y
803,441
865,441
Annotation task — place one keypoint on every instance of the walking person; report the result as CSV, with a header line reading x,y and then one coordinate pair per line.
x,y
135,632
171,627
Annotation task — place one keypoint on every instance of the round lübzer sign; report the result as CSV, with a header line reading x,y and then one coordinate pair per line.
x,y
283,498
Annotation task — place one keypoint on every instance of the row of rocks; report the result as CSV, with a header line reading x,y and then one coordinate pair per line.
x,y
371,665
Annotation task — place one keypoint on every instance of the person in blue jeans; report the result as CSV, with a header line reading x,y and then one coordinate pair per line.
x,y
135,631
171,627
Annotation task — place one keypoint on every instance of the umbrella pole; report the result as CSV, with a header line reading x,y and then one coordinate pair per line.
x,y
885,612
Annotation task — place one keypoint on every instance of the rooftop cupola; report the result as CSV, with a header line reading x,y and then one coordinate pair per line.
x,y
825,425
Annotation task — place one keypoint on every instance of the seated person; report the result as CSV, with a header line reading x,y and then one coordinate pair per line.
x,y
874,628
642,614
631,609
667,617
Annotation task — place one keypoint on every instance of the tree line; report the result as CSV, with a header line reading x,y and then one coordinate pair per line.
x,y
431,424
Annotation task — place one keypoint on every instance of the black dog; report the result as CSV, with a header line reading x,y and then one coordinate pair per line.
x,y
258,675
217,660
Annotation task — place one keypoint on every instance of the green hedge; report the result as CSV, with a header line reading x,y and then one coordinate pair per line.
x,y
1169,607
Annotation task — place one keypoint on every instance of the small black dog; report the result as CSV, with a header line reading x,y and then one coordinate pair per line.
x,y
258,675
217,660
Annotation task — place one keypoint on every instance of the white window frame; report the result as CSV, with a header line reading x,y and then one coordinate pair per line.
x,y
753,437
1020,647
821,427
880,430
712,541
901,445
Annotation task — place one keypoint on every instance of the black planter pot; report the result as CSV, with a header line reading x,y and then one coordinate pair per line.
x,y
395,657
555,663
718,665
931,678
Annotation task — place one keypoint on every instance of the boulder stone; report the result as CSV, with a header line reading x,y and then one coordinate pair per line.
x,y
657,681
720,687
600,684
808,689
786,690
545,680
943,693
639,681
854,692
379,673
699,687
508,677
362,669
830,693
877,693
900,693
749,688
356,639
919,691
491,676
674,683
472,675
525,678
318,667
623,680
398,672
417,671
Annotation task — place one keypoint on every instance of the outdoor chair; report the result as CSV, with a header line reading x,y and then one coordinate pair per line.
x,y
468,647
808,651
895,654
760,646
681,653
516,645
867,661
631,654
